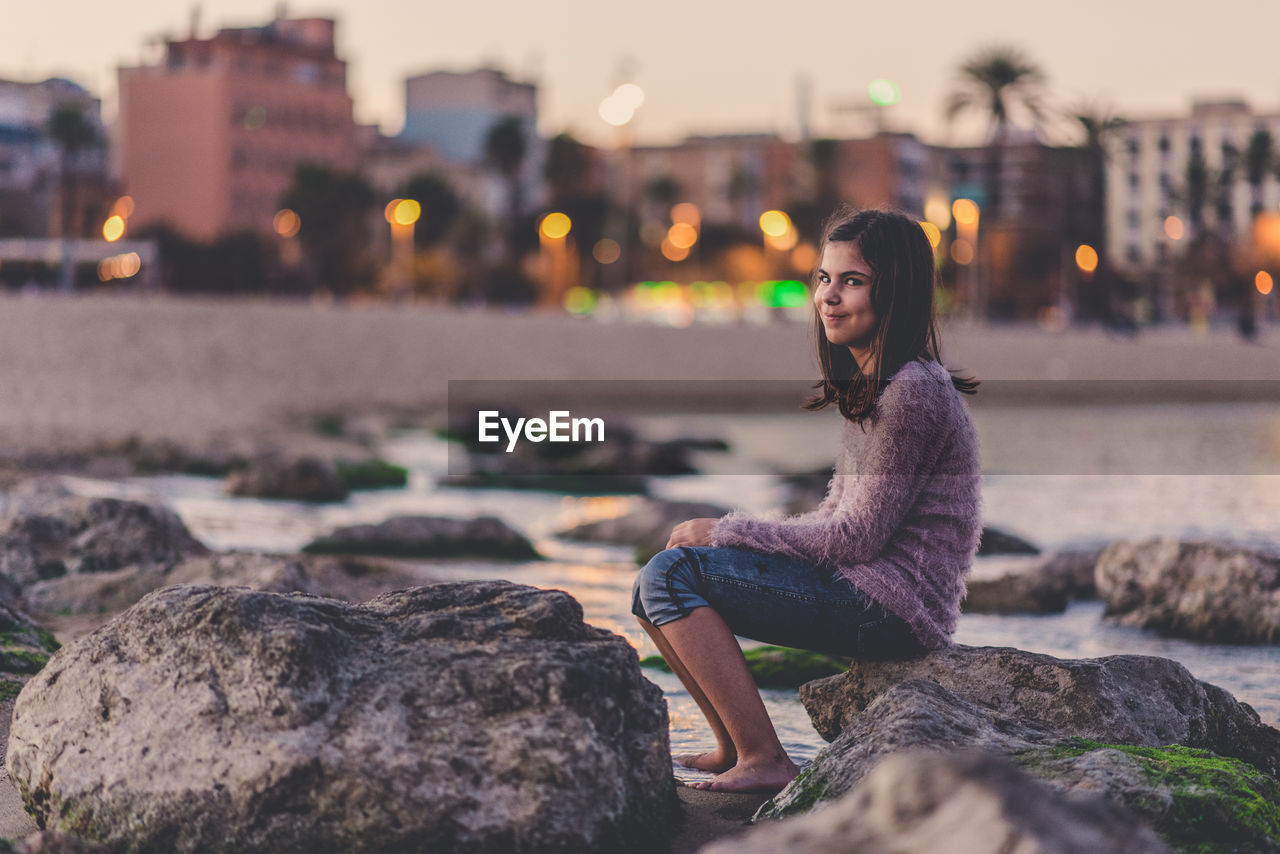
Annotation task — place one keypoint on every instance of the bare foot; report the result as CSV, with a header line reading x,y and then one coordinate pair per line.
x,y
766,778
713,761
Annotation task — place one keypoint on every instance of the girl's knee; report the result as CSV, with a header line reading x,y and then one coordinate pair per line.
x,y
665,585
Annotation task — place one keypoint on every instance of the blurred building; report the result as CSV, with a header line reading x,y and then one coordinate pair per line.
x,y
732,178
32,178
1151,177
893,170
209,137
1048,208
454,112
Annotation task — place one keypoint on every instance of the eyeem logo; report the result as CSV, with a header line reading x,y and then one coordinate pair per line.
x,y
536,430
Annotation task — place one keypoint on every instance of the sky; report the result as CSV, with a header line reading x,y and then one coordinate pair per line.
x,y
711,66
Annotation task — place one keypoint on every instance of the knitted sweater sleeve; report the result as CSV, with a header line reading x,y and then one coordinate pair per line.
x,y
907,433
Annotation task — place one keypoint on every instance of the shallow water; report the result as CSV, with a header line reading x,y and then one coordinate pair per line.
x,y
1053,510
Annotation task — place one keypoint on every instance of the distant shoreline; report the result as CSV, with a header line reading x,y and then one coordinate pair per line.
x,y
92,368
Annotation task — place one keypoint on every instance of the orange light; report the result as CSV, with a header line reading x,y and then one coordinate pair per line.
x,y
775,223
123,207
931,231
406,212
682,235
389,212
674,253
1086,258
286,223
965,212
130,265
554,226
804,257
688,213
1263,282
962,251
606,251
784,242
937,211
113,228
1173,228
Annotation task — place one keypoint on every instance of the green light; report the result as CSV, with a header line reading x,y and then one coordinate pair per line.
x,y
790,294
883,92
579,300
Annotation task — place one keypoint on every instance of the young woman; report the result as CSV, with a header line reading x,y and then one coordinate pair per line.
x,y
878,569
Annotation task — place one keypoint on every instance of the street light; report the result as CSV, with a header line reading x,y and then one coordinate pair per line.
x,y
553,241
964,250
618,110
401,214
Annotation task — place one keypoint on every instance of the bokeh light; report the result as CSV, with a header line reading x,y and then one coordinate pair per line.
x,y
286,223
784,242
123,207
883,92
931,231
775,223
965,212
1173,228
938,211
962,251
113,228
1086,258
579,300
606,251
688,213
389,212
804,257
1263,282
674,253
620,107
406,212
555,226
682,235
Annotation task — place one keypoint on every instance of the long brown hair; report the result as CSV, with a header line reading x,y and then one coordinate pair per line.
x,y
903,278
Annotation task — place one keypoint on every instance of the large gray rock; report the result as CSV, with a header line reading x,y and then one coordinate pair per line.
x,y
1035,585
1119,699
426,537
972,802
1202,591
456,717
50,535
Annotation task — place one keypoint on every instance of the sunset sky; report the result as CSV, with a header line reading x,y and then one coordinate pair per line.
x,y
710,66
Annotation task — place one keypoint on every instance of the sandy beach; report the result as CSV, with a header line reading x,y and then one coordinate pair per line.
x,y
75,371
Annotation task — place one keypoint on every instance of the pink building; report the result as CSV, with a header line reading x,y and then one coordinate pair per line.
x,y
209,137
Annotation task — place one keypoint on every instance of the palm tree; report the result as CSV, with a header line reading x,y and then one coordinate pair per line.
x,y
1259,158
1197,191
1225,188
505,148
995,81
1099,127
73,133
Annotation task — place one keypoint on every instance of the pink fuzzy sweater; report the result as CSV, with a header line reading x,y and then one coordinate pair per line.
x,y
901,518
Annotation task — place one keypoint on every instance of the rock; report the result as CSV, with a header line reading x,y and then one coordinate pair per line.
x,y
53,842
967,801
1008,701
647,525
1193,798
1120,699
349,578
56,535
1203,591
777,666
1036,585
293,478
25,647
997,542
569,484
426,537
461,717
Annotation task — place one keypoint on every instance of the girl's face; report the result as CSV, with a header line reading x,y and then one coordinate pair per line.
x,y
842,296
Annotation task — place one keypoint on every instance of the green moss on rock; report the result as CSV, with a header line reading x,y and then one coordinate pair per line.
x,y
372,474
22,660
1199,802
777,666
9,689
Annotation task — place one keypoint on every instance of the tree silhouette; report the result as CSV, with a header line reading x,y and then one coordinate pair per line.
x,y
995,81
566,169
73,134
334,211
1099,127
441,207
505,148
1259,160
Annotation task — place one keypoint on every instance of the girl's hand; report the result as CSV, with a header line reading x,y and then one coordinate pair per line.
x,y
695,532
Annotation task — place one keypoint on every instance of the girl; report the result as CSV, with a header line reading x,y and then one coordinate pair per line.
x,y
878,569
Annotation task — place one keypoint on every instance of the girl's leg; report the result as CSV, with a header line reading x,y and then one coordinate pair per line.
x,y
724,756
713,659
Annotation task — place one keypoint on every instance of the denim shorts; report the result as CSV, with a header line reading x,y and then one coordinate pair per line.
x,y
773,599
